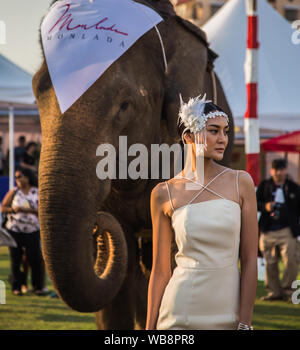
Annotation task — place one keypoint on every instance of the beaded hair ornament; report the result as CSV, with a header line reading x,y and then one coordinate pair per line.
x,y
192,115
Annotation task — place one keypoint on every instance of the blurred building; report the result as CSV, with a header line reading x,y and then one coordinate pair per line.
x,y
199,11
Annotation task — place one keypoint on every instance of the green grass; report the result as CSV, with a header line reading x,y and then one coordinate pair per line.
x,y
30,312
275,315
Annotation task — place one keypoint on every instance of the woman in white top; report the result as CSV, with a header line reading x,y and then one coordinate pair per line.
x,y
212,210
21,206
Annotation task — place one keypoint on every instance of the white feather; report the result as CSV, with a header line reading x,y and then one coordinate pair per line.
x,y
191,114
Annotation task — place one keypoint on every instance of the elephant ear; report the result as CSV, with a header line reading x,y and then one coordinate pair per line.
x,y
194,29
190,73
163,7
187,63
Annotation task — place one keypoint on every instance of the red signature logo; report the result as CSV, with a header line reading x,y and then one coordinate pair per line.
x,y
66,20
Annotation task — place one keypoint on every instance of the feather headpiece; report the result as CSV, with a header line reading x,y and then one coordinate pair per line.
x,y
192,115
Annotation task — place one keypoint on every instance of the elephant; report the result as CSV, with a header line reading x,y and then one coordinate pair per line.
x,y
96,234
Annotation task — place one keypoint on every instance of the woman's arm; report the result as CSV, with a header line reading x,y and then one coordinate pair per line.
x,y
25,165
26,210
262,205
6,202
161,265
248,247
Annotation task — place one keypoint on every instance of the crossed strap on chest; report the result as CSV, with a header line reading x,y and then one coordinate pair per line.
x,y
203,187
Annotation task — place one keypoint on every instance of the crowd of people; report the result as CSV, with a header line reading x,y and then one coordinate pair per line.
x,y
25,155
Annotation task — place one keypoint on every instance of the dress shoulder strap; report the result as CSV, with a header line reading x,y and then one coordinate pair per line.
x,y
169,194
237,185
207,188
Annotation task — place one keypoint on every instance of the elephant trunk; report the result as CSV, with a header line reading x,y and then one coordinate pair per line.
x,y
69,197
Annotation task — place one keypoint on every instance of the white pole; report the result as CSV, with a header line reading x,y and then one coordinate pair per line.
x,y
11,148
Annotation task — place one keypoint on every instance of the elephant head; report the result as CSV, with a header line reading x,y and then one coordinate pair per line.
x,y
137,98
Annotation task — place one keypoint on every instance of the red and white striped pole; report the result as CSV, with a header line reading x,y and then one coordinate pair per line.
x,y
251,127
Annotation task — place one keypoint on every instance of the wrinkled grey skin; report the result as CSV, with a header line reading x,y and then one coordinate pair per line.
x,y
99,269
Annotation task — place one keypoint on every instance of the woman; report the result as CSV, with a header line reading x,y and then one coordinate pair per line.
x,y
213,212
21,206
28,160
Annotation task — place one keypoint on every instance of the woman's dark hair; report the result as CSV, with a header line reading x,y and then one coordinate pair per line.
x,y
29,174
30,144
209,107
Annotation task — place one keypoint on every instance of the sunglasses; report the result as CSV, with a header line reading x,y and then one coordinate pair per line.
x,y
19,177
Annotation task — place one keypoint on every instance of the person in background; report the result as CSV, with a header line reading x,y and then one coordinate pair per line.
x,y
21,206
2,158
20,150
278,200
29,157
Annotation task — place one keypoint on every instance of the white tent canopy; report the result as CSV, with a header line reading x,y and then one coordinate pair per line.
x,y
278,64
15,91
15,84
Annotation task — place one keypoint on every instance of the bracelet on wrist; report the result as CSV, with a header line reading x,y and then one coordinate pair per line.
x,y
244,327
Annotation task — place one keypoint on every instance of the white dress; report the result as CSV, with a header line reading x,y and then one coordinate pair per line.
x,y
204,290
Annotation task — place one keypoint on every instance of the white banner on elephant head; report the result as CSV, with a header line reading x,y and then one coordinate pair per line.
x,y
82,38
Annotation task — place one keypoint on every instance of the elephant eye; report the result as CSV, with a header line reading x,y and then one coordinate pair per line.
x,y
124,105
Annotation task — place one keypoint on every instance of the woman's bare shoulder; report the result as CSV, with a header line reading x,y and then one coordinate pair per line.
x,y
160,198
159,192
246,184
245,178
9,195
161,187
